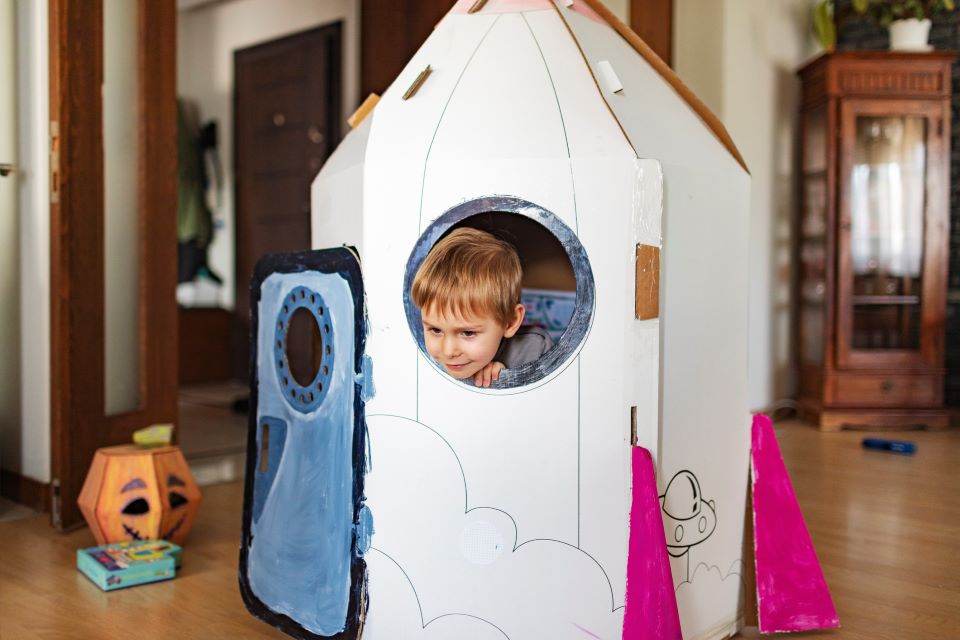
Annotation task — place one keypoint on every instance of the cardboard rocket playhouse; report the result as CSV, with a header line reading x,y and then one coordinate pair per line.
x,y
428,508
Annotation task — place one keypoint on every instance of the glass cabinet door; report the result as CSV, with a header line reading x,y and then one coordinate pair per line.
x,y
813,237
886,175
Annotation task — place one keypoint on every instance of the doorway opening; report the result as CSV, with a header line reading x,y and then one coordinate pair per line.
x,y
261,111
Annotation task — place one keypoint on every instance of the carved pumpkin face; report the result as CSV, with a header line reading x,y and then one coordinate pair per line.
x,y
127,507
178,493
139,494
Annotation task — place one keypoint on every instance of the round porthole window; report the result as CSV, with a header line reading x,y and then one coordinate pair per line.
x,y
557,281
302,349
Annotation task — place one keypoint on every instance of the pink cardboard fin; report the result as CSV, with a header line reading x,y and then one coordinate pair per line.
x,y
650,612
792,594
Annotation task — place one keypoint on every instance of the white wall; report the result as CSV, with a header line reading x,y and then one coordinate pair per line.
x,y
25,446
9,223
206,39
620,8
741,57
697,39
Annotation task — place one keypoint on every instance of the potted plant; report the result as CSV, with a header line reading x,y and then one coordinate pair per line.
x,y
907,20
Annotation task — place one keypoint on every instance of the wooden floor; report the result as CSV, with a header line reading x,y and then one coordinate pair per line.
x,y
207,425
10,510
212,436
886,527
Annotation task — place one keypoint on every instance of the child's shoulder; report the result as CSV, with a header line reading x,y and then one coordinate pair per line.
x,y
528,344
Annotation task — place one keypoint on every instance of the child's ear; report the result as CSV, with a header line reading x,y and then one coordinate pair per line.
x,y
519,311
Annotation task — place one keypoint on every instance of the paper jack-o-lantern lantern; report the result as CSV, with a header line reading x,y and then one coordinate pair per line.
x,y
132,493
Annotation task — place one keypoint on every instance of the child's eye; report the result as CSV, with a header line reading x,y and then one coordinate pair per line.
x,y
434,331
469,334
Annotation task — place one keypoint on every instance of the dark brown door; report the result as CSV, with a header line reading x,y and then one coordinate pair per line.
x,y
391,31
652,20
80,420
287,121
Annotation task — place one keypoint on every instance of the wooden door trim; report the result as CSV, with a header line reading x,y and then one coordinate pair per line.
x,y
652,20
76,245
157,105
78,421
932,299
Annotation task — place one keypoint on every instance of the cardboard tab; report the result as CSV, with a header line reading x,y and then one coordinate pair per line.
x,y
417,83
610,79
650,612
647,283
792,594
363,111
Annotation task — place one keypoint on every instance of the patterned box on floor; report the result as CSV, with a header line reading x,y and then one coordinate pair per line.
x,y
127,564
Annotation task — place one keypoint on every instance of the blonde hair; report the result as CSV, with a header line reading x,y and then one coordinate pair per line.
x,y
470,272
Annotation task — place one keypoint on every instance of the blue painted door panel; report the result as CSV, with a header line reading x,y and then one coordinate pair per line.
x,y
305,527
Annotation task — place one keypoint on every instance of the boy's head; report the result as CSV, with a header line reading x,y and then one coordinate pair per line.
x,y
468,293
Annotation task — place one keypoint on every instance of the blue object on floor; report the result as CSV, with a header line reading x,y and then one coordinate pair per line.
x,y
896,446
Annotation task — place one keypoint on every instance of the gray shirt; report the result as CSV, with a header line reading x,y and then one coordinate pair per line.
x,y
526,345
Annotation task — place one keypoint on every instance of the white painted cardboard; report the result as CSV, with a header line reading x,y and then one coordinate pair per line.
x,y
609,77
504,513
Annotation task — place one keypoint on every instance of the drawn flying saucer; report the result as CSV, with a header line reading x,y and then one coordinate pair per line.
x,y
689,519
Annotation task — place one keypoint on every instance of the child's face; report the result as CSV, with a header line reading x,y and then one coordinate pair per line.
x,y
464,345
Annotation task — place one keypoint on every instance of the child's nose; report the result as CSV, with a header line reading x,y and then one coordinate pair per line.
x,y
450,348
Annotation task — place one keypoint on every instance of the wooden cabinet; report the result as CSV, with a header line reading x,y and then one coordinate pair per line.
x,y
872,239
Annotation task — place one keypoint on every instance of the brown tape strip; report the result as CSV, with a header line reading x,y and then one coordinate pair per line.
x,y
647,285
412,91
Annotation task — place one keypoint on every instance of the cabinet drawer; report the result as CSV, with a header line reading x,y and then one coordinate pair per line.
x,y
885,391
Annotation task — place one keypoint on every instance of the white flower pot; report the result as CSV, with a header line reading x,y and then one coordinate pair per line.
x,y
910,35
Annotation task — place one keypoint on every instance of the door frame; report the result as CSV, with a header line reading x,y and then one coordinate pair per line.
x,y
79,424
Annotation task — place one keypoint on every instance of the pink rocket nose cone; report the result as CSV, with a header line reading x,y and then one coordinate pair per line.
x,y
500,6
682,500
521,6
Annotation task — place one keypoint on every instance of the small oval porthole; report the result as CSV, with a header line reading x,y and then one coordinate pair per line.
x,y
302,350
557,283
